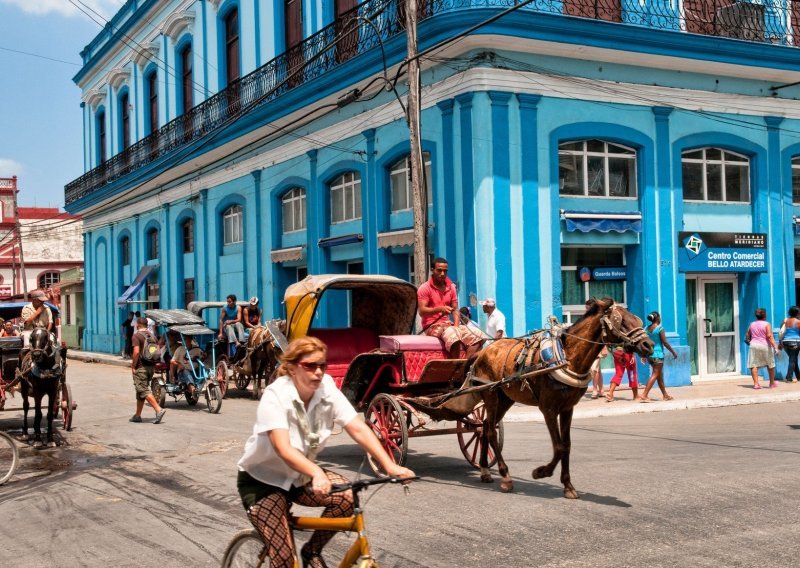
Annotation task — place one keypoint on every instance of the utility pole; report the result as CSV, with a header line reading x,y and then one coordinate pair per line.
x,y
18,238
419,200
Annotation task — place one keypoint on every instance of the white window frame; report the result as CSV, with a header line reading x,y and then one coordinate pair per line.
x,y
605,155
349,183
571,312
293,200
401,169
722,162
232,225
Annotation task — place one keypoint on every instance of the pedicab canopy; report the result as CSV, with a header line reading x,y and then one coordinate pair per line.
x,y
11,310
384,304
182,321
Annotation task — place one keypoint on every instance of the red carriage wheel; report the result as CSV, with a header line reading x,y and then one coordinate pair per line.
x,y
469,433
389,422
67,406
222,378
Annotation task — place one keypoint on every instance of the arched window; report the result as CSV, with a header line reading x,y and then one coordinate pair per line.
x,y
125,251
594,168
346,197
713,174
152,244
187,230
232,225
151,96
232,67
187,78
796,179
294,210
100,119
124,121
400,182
47,279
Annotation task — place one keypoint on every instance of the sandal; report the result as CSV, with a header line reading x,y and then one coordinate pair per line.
x,y
594,395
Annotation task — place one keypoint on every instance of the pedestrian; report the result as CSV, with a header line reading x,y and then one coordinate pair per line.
x,y
143,372
294,420
466,319
623,362
127,335
762,348
790,343
597,374
496,321
656,333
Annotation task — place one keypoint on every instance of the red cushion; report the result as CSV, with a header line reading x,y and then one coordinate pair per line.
x,y
415,361
394,343
343,346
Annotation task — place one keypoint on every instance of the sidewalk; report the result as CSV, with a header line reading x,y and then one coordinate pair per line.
x,y
713,394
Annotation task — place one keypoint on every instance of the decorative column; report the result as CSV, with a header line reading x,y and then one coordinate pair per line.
x,y
373,212
258,231
317,220
464,194
780,278
443,200
167,275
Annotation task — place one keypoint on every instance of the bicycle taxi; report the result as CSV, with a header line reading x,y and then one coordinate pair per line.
x,y
397,378
198,377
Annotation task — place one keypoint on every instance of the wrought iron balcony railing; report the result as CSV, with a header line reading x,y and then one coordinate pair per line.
x,y
365,26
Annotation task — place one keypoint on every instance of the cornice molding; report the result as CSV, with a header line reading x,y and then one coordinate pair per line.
x,y
176,23
145,55
96,96
118,76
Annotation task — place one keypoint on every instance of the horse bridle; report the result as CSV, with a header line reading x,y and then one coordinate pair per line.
x,y
611,323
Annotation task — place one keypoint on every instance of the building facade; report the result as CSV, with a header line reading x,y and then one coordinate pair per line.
x,y
572,149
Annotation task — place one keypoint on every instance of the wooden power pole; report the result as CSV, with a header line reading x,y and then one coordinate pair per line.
x,y
419,199
18,238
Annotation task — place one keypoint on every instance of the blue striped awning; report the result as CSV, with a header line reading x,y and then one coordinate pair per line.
x,y
137,285
603,222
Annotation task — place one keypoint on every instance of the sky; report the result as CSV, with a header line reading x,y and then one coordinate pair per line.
x,y
41,136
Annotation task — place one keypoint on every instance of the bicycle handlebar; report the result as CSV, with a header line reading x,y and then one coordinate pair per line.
x,y
361,484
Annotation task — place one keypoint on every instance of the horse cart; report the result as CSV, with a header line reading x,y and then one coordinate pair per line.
x,y
198,376
395,377
10,362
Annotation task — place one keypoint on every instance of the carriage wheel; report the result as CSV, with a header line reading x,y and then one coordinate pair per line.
x,y
222,378
246,549
9,457
67,405
469,437
213,398
388,420
242,380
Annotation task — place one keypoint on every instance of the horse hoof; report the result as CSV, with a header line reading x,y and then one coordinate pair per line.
x,y
506,486
486,477
540,472
38,444
51,444
570,494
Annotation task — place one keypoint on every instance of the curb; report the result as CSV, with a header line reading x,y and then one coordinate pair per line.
x,y
93,358
656,406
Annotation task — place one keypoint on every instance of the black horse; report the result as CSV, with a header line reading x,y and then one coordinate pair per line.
x,y
41,371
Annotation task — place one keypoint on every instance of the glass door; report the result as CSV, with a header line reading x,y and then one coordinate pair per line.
x,y
717,317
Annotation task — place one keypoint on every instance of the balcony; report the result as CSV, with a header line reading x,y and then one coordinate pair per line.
x,y
375,21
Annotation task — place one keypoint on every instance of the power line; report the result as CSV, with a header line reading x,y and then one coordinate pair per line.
x,y
38,55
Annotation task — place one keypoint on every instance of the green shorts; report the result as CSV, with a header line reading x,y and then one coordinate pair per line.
x,y
141,381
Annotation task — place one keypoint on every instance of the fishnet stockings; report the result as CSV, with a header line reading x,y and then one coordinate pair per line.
x,y
270,517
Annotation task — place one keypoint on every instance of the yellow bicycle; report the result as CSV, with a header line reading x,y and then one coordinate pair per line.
x,y
248,549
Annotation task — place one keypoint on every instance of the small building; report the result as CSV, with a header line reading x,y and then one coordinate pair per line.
x,y
73,317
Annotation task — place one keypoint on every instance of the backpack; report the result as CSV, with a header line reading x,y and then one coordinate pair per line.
x,y
151,352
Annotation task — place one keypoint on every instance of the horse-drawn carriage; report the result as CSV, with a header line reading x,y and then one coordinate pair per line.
x,y
197,377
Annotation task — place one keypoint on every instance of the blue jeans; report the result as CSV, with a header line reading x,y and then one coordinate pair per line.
x,y
792,348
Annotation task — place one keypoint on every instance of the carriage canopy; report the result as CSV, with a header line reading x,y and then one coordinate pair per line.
x,y
384,304
174,317
11,310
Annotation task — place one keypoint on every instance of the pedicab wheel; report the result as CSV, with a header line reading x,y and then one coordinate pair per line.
x,y
388,420
469,433
242,380
222,378
9,457
245,549
213,398
159,391
67,406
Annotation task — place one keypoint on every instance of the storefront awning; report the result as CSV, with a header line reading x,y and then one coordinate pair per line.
x,y
288,254
389,239
138,283
341,240
586,221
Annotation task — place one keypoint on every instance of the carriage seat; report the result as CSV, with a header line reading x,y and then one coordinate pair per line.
x,y
416,350
344,345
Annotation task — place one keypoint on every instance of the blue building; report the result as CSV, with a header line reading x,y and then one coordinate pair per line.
x,y
573,148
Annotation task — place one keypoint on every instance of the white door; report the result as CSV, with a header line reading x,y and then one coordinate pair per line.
x,y
717,327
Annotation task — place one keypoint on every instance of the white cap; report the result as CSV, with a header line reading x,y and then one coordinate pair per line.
x,y
488,302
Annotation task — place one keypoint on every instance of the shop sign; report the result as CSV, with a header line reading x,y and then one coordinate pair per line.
x,y
722,252
586,273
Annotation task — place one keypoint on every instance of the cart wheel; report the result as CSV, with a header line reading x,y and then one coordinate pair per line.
x,y
388,420
67,405
159,391
9,457
213,398
242,380
245,549
469,437
222,378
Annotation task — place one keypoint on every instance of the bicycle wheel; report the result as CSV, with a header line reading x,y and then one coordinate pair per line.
x,y
213,398
9,457
222,377
246,549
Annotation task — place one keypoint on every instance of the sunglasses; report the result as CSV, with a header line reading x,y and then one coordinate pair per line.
x,y
312,366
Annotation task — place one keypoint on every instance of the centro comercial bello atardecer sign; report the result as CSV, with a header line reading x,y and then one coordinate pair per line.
x,y
722,252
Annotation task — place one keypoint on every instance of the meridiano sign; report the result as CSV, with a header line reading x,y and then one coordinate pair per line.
x,y
722,252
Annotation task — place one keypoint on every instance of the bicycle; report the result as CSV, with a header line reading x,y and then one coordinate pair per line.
x,y
248,549
9,457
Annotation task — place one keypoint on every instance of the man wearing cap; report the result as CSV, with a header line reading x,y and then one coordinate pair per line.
x,y
496,321
36,314
252,314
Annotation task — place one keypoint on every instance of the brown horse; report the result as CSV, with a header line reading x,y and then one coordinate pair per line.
x,y
260,359
557,393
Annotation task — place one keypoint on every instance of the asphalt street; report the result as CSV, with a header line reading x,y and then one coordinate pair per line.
x,y
704,487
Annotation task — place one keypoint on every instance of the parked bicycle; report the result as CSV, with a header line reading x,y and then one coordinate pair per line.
x,y
248,549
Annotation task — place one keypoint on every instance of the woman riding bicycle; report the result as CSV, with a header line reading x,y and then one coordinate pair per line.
x,y
295,418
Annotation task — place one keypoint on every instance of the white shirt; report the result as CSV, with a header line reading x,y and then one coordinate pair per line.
x,y
276,411
495,323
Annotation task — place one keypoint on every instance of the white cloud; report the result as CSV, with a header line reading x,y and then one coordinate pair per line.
x,y
41,7
10,168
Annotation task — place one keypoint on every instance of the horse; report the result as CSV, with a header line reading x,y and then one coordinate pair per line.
x,y
41,370
260,359
555,393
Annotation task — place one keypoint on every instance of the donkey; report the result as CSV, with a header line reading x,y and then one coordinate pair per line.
x,y
556,393
41,371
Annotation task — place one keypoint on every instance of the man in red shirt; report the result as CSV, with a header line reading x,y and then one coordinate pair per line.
x,y
438,307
